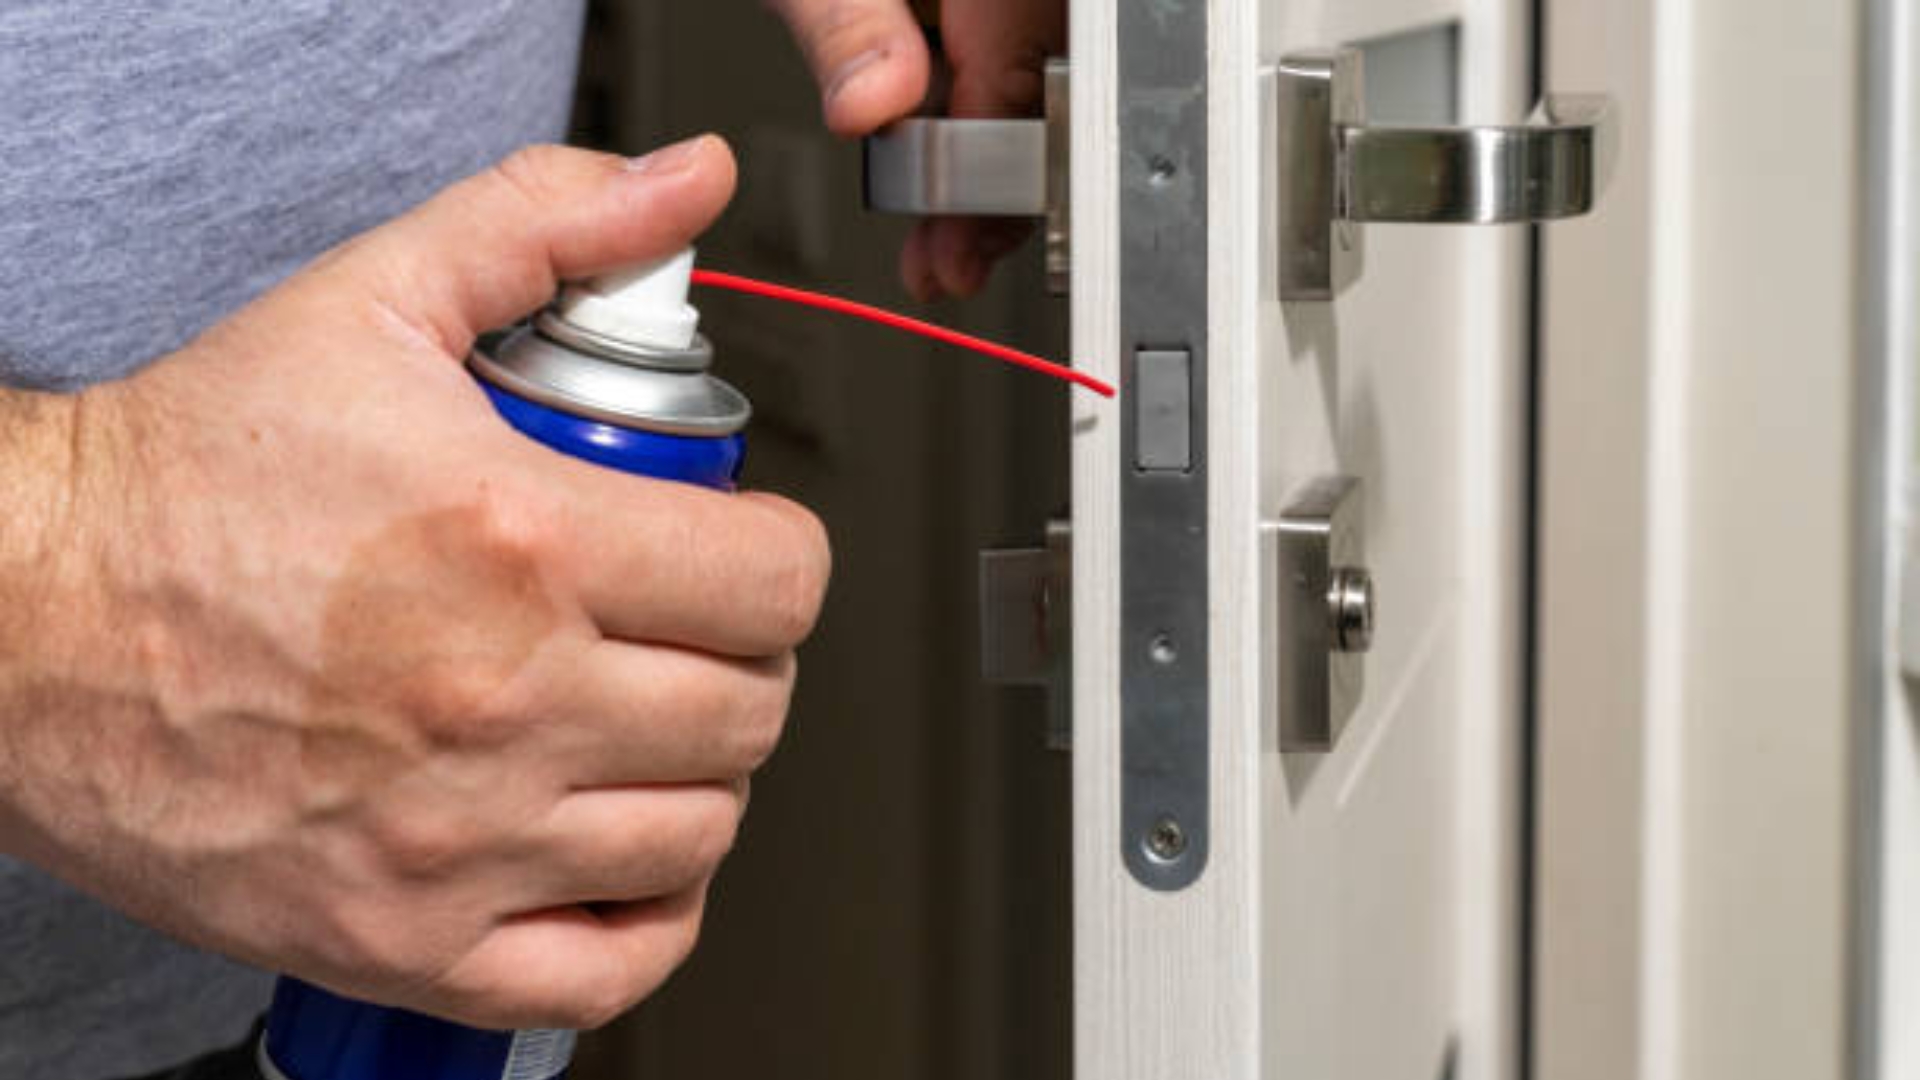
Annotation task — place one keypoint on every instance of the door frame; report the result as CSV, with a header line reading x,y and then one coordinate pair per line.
x,y
1697,611
1886,931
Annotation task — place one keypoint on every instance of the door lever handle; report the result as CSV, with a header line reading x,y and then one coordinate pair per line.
x,y
981,168
1336,171
995,168
1553,167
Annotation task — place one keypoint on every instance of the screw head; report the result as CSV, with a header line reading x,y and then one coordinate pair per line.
x,y
1162,650
1166,840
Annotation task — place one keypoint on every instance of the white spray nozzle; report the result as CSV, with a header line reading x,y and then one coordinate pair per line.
x,y
643,305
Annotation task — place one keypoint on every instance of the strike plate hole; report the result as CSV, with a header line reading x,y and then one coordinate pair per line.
x,y
1160,172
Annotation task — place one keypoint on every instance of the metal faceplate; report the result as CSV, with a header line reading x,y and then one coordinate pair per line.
x,y
1164,699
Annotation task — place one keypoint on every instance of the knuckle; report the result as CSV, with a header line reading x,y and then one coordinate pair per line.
x,y
601,998
500,995
714,835
422,845
458,700
762,719
800,585
465,686
811,541
794,612
626,986
594,1002
591,1013
683,933
700,842
790,580
833,31
515,527
526,173
494,999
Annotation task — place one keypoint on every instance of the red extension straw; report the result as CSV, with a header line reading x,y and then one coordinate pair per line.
x,y
718,280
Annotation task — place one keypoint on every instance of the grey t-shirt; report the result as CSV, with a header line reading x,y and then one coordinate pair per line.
x,y
165,161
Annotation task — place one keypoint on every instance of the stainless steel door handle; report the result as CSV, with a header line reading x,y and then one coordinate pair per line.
x,y
1336,171
982,168
1550,168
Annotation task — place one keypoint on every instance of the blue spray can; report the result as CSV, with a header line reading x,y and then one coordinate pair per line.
x,y
613,373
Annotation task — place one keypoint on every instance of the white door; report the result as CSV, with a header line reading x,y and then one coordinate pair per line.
x,y
1352,914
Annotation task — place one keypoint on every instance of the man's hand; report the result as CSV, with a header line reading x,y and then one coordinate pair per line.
x,y
306,657
871,61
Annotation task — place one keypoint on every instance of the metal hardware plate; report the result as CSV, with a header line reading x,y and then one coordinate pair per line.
x,y
1316,93
1323,612
1164,700
1026,624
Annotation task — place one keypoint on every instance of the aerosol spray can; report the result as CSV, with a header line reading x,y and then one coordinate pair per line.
x,y
613,373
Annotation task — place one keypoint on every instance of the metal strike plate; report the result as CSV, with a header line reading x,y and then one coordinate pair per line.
x,y
1324,612
1163,223
1336,171
1026,624
931,167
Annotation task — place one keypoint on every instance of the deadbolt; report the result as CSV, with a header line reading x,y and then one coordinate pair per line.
x,y
1350,609
1323,610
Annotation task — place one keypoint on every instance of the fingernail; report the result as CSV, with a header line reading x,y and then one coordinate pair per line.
x,y
851,70
667,159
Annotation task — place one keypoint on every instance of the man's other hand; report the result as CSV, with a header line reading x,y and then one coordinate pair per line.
x,y
870,59
308,658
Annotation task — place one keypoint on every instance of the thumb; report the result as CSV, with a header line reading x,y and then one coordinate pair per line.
x,y
494,247
868,56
